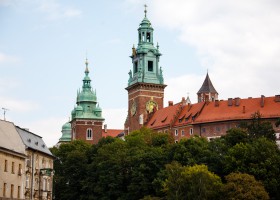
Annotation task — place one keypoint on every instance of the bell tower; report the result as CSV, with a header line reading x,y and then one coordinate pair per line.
x,y
145,84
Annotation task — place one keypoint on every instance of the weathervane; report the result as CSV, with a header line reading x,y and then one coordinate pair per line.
x,y
5,110
145,11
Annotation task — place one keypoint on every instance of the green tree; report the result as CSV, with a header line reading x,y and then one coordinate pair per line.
x,y
260,158
243,187
235,136
193,182
259,128
70,169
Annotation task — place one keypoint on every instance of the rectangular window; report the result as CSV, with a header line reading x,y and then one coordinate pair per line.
x,y
6,166
150,66
12,191
176,132
148,37
89,134
218,128
182,132
4,189
27,182
13,167
18,193
135,67
191,131
203,130
143,36
19,169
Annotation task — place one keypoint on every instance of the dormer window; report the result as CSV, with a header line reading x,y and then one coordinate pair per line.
x,y
148,37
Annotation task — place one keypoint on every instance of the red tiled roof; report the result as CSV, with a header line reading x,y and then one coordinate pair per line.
x,y
163,117
188,112
111,132
222,112
206,112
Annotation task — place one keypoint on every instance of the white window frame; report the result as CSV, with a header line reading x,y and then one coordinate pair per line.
x,y
182,132
176,132
191,131
89,134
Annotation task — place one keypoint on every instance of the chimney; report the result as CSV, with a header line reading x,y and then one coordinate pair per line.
x,y
170,103
105,128
184,101
277,98
243,109
262,100
229,101
216,103
237,101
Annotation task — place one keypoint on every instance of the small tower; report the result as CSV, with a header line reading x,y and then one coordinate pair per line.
x,y
207,92
87,118
145,84
66,133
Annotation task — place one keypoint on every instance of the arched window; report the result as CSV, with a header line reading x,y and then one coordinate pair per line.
x,y
89,134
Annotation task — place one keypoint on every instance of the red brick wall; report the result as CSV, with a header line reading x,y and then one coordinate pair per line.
x,y
141,93
79,127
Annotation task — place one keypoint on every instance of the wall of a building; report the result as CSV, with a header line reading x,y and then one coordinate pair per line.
x,y
9,177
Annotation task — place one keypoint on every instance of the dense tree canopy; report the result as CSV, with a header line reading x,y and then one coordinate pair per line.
x,y
243,187
149,165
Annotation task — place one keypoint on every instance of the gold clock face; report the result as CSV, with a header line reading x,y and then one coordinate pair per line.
x,y
150,105
133,108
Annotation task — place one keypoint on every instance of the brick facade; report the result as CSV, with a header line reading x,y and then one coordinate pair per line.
x,y
80,128
139,94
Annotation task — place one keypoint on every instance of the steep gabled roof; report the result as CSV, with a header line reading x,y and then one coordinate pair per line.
x,y
33,141
10,139
207,86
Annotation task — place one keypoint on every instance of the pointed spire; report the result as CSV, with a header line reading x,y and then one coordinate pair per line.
x,y
145,11
86,70
207,86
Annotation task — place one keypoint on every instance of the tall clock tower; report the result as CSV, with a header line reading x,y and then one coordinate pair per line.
x,y
145,84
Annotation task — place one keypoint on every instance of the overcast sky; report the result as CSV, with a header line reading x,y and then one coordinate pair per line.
x,y
44,43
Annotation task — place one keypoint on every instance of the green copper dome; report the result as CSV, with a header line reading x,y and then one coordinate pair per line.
x,y
87,101
66,133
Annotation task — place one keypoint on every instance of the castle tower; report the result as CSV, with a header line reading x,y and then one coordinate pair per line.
x,y
145,84
87,118
207,92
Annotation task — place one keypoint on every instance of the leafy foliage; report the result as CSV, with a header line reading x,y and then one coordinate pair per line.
x,y
149,165
243,187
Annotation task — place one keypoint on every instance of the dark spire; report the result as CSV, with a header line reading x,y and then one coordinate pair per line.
x,y
207,86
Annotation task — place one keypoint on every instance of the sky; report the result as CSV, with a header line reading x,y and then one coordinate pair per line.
x,y
44,44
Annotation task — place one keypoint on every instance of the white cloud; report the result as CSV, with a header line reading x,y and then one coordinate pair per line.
x,y
49,129
239,42
18,105
5,58
115,118
55,11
